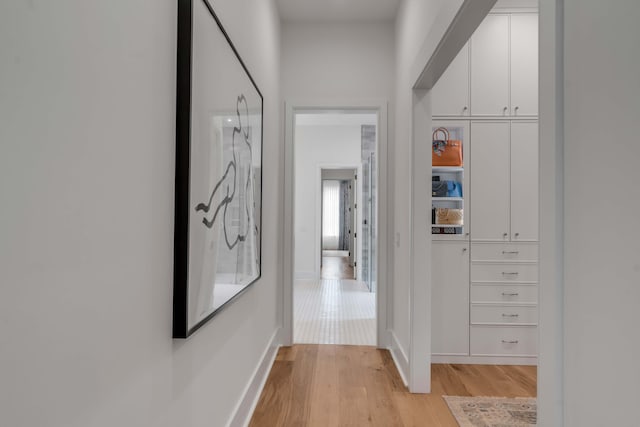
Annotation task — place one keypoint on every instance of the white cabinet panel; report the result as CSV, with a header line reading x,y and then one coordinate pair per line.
x,y
490,67
504,252
524,181
504,314
489,192
450,298
504,340
450,95
524,64
511,272
503,293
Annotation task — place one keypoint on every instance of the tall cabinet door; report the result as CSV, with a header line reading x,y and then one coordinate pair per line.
x,y
524,181
524,64
490,67
490,189
450,95
450,298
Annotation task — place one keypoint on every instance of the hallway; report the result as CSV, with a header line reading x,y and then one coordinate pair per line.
x,y
331,385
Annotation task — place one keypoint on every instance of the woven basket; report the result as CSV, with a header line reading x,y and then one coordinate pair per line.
x,y
449,216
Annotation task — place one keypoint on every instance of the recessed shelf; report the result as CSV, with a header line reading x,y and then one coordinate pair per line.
x,y
447,225
447,199
450,169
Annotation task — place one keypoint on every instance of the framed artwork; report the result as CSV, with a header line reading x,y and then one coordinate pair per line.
x,y
218,198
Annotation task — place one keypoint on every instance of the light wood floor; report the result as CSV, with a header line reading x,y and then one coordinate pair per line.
x,y
333,385
336,267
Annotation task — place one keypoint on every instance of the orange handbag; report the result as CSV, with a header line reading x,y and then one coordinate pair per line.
x,y
446,151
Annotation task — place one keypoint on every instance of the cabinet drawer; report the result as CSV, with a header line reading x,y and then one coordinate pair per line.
x,y
504,252
504,293
504,341
504,314
504,272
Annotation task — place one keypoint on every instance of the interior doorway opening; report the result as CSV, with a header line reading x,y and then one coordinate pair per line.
x,y
482,285
334,240
338,213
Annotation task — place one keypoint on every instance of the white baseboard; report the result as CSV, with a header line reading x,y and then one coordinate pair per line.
x,y
484,360
400,358
247,404
305,275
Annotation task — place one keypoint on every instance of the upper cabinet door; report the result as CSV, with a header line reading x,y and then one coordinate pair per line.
x,y
524,64
524,181
489,192
450,95
490,67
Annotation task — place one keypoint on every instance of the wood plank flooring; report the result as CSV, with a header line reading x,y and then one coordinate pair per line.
x,y
335,385
336,267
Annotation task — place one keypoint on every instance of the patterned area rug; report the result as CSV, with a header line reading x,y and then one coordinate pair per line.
x,y
493,411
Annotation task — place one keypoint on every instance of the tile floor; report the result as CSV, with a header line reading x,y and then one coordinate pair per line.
x,y
332,311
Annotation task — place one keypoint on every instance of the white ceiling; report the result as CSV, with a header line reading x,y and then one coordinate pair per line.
x,y
337,10
336,119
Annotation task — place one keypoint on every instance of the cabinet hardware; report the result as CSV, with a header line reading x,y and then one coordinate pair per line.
x,y
510,252
517,234
517,108
509,342
464,249
509,294
505,234
505,109
510,273
465,108
510,315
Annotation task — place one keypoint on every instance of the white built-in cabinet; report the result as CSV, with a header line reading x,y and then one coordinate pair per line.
x,y
504,173
524,181
450,95
524,64
485,277
496,73
450,287
489,199
490,67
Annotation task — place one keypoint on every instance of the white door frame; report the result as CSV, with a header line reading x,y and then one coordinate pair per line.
x,y
434,57
379,107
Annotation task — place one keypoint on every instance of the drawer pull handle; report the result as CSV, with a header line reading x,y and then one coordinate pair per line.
x,y
510,273
509,342
510,294
510,315
510,252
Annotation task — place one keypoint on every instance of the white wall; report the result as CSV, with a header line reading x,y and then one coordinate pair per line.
x,y
413,23
87,131
345,61
602,207
317,147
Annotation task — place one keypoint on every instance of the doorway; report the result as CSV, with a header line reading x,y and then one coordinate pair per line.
x,y
331,304
338,222
515,289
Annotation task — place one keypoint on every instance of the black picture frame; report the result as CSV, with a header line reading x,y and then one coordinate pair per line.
x,y
205,79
